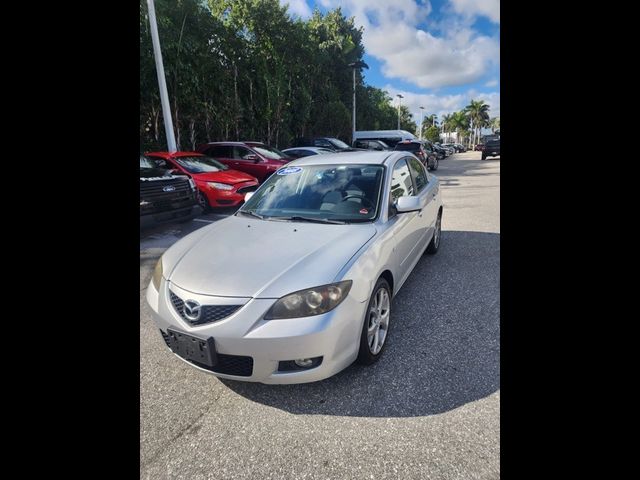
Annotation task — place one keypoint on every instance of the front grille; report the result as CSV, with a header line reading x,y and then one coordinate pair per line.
x,y
151,190
237,365
209,313
251,188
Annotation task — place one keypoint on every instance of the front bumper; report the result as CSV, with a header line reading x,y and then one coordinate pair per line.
x,y
227,198
334,336
185,213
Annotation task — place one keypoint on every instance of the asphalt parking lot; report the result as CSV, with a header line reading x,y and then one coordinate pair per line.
x,y
429,409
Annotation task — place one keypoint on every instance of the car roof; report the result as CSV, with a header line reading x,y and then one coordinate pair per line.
x,y
345,158
174,154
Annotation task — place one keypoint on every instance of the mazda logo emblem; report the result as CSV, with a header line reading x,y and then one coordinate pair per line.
x,y
169,188
192,310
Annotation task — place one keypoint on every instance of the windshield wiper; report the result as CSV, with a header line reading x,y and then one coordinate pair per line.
x,y
311,219
251,214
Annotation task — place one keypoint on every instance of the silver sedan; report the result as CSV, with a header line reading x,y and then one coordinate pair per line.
x,y
297,285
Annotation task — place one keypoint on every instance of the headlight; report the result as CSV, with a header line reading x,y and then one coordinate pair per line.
x,y
313,301
192,183
220,186
157,274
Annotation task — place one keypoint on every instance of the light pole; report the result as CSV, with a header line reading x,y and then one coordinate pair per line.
x,y
421,117
162,83
354,65
400,97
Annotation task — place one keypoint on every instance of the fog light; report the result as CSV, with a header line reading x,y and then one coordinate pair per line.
x,y
304,362
299,364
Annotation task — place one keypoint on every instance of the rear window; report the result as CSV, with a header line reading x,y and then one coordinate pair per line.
x,y
408,147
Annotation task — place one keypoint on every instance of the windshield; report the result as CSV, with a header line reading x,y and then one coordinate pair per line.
x,y
200,164
345,193
270,153
146,162
338,143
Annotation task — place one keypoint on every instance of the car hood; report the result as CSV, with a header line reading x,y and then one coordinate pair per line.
x,y
224,176
245,257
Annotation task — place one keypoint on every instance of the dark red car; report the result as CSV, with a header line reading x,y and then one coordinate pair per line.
x,y
479,147
218,185
254,158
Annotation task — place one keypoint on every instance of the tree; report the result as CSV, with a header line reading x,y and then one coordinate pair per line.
x,y
433,134
478,113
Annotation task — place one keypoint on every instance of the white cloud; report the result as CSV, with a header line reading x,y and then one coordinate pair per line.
x,y
491,83
443,104
297,7
472,8
391,34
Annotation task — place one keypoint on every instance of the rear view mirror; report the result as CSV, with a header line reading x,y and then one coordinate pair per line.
x,y
408,204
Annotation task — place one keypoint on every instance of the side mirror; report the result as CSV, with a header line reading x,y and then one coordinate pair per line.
x,y
408,204
248,195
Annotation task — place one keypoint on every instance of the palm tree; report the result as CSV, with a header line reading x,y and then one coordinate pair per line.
x,y
478,113
429,121
446,124
495,124
459,122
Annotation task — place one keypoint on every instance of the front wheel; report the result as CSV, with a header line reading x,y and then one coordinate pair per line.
x,y
434,167
376,324
484,157
203,202
435,241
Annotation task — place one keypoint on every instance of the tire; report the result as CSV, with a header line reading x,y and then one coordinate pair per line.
x,y
484,157
434,245
203,202
434,167
370,354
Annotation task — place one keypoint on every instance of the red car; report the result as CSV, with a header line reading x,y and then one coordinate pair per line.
x,y
218,186
254,158
479,147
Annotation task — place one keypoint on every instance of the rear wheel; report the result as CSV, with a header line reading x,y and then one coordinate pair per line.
x,y
434,167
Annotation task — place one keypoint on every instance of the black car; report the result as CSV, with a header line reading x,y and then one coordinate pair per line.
x,y
331,143
165,197
491,147
421,149
441,152
371,145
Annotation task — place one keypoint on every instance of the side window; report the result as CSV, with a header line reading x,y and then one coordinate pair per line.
x,y
401,182
361,144
219,151
419,174
240,153
322,143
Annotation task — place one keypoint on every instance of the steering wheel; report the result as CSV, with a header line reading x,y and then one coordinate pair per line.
x,y
371,205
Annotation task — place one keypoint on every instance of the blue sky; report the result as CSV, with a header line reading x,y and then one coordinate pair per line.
x,y
439,54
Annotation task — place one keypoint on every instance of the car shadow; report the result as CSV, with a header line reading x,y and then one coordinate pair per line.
x,y
443,349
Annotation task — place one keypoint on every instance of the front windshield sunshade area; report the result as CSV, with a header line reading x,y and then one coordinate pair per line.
x,y
344,193
200,164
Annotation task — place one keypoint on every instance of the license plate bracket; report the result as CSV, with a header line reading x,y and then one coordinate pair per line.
x,y
190,347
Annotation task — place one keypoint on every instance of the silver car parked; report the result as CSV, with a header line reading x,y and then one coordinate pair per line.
x,y
298,284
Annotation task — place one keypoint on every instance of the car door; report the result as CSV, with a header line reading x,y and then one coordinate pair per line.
x,y
427,190
407,227
248,161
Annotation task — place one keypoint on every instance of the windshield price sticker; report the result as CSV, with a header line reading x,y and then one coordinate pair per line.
x,y
289,171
